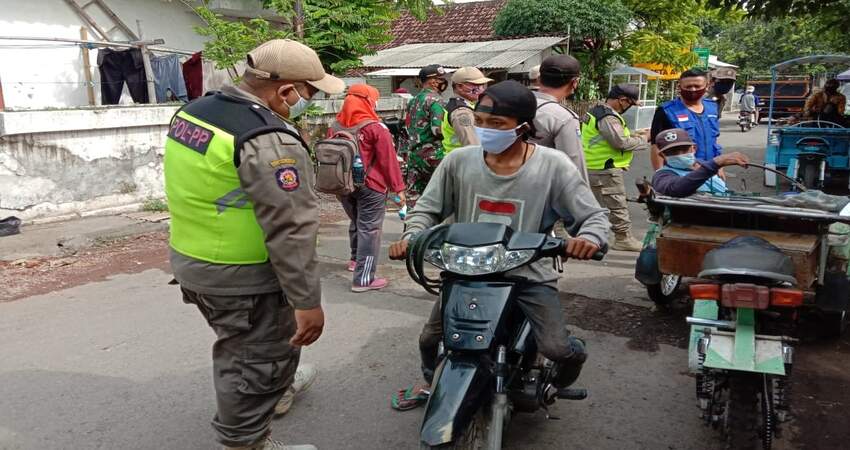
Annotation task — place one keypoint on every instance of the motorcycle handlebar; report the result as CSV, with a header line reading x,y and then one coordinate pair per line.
x,y
558,247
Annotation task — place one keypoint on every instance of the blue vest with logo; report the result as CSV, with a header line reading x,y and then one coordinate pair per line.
x,y
702,128
714,185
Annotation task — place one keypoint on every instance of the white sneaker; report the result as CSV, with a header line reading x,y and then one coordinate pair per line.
x,y
304,378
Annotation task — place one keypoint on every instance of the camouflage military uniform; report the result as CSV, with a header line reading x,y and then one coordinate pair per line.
x,y
424,150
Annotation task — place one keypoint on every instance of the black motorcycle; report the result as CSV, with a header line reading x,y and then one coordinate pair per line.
x,y
489,366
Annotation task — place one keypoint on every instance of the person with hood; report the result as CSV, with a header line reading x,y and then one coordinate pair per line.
x,y
366,206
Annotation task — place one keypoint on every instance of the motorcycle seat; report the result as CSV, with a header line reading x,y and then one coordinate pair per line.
x,y
748,257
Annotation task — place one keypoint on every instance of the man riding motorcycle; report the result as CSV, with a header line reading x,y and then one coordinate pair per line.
x,y
528,187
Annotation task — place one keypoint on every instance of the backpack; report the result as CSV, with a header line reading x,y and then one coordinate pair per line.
x,y
335,158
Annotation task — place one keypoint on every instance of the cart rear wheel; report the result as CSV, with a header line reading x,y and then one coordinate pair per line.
x,y
664,292
809,175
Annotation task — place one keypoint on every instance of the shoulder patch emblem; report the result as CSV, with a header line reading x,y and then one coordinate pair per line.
x,y
287,178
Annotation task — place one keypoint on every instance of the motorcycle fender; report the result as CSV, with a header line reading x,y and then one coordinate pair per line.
x,y
473,312
744,350
457,391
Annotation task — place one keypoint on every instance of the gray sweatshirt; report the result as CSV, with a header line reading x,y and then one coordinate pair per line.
x,y
546,188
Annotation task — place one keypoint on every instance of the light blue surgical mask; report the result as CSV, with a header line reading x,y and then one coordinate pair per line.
x,y
299,107
496,141
684,162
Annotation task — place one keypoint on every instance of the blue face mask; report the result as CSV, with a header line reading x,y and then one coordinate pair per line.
x,y
496,141
684,162
299,107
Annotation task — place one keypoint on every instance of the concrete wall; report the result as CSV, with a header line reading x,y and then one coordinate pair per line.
x,y
38,74
84,161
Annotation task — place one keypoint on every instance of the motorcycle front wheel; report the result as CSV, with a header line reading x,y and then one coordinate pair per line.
x,y
474,437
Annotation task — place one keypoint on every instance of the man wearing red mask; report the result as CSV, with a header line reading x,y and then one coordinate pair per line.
x,y
693,113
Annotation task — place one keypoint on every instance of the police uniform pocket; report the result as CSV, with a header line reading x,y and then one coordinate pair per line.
x,y
228,311
266,367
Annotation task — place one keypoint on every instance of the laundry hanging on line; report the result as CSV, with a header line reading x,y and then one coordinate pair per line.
x,y
168,79
118,67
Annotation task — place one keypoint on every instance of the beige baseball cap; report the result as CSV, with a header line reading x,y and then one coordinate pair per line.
x,y
534,73
469,75
285,59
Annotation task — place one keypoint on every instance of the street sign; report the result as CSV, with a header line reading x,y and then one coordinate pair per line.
x,y
702,54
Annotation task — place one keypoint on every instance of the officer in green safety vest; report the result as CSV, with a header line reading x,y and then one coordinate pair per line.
x,y
608,150
244,220
468,83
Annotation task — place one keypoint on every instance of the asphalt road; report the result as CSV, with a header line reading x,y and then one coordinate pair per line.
x,y
124,364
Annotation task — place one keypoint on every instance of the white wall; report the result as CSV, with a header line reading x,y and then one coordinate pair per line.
x,y
50,75
76,162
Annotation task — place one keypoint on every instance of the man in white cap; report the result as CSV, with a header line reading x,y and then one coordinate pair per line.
x,y
244,220
749,104
534,78
459,121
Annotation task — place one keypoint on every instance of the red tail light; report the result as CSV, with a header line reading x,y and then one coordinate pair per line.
x,y
745,295
705,291
786,297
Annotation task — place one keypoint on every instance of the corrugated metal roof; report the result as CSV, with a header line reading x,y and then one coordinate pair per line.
x,y
502,54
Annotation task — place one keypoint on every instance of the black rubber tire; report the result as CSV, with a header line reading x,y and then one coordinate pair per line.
x,y
741,429
810,175
474,437
658,295
743,128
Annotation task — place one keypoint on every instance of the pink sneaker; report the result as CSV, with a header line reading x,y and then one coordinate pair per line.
x,y
352,265
378,283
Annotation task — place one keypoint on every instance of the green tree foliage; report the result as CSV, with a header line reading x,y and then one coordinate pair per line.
x,y
666,31
595,25
781,8
341,31
230,41
754,45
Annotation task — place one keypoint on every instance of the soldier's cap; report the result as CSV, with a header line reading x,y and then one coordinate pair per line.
x,y
534,73
432,71
285,59
470,75
672,138
561,66
629,91
510,99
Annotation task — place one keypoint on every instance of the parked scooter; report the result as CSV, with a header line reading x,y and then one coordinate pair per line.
x,y
745,121
489,365
741,358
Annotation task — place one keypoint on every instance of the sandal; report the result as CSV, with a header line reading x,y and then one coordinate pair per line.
x,y
407,399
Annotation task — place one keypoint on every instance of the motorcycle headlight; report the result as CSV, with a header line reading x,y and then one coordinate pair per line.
x,y
478,260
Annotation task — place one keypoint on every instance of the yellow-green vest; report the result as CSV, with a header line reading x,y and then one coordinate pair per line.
x,y
597,150
212,218
450,141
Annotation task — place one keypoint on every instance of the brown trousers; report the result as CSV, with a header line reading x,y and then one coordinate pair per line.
x,y
253,362
609,188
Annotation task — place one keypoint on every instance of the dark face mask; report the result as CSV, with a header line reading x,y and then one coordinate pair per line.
x,y
627,107
692,96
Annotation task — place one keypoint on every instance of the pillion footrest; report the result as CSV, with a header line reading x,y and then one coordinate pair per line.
x,y
572,394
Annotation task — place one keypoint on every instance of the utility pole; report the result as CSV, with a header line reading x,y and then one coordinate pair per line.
x,y
298,20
